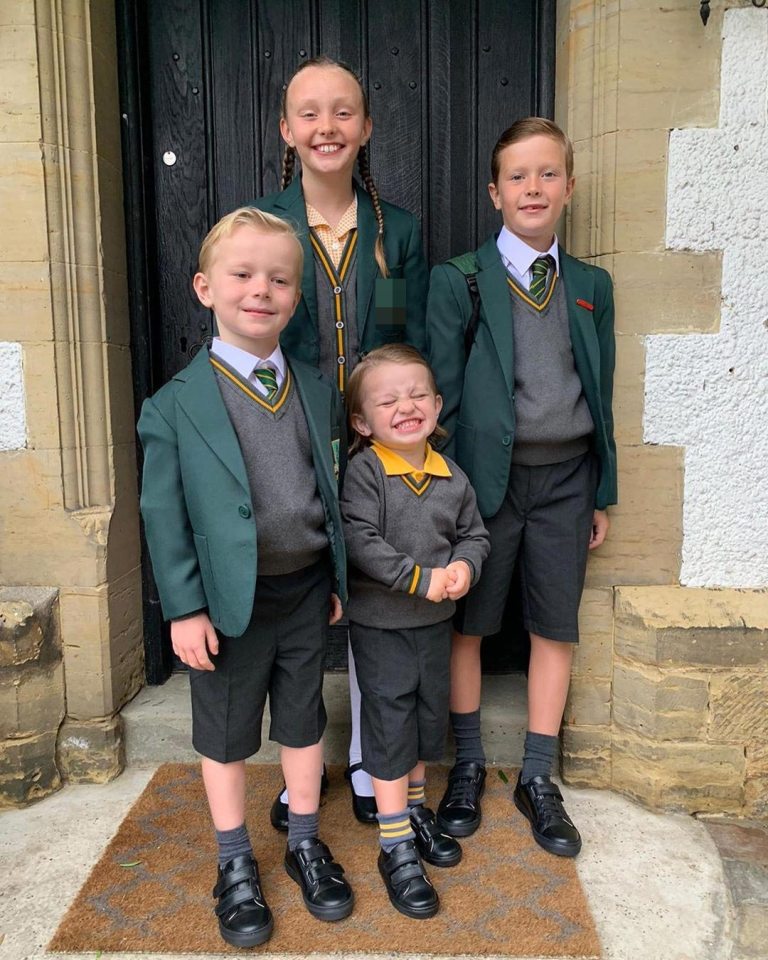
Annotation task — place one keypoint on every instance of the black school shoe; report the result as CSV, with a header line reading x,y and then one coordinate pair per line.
x,y
245,920
326,893
459,812
364,808
278,812
435,846
408,887
541,802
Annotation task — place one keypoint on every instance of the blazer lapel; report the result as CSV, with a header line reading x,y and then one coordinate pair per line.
x,y
580,294
494,293
291,205
200,399
367,268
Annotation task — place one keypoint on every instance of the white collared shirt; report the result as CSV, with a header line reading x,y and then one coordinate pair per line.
x,y
245,363
518,257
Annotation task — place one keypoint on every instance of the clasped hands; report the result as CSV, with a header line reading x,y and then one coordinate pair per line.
x,y
449,583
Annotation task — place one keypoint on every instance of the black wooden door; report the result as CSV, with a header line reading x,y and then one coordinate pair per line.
x,y
201,82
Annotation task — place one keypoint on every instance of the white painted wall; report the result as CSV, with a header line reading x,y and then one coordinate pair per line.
x,y
13,414
709,392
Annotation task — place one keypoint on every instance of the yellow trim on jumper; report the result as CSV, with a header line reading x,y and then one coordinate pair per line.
x,y
529,300
273,408
415,578
336,279
418,482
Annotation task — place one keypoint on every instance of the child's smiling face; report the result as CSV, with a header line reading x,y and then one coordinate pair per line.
x,y
252,286
325,119
532,189
399,408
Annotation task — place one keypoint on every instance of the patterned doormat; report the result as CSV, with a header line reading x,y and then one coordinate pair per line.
x,y
151,890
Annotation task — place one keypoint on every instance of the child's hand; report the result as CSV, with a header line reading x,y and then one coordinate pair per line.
x,y
461,579
336,610
193,639
600,524
438,584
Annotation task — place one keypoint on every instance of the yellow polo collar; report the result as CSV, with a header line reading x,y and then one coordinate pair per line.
x,y
395,466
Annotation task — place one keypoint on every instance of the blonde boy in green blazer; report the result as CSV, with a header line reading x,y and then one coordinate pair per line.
x,y
240,505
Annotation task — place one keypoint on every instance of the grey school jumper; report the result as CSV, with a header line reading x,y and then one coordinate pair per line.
x,y
552,419
394,536
274,440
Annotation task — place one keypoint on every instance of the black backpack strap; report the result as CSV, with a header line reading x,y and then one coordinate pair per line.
x,y
467,264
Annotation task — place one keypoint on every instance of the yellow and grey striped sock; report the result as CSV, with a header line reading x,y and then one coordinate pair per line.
x,y
416,795
394,828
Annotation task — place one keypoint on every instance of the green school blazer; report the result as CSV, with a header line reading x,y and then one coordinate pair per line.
x,y
388,309
478,393
196,500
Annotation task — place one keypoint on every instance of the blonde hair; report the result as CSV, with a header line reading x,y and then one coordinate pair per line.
x,y
248,217
289,156
355,392
531,127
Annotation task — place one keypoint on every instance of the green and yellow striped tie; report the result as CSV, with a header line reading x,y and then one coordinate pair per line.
x,y
539,271
268,378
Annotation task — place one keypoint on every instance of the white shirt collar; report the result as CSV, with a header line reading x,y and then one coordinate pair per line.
x,y
516,252
245,363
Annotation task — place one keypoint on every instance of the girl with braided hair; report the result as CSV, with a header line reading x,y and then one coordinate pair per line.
x,y
365,278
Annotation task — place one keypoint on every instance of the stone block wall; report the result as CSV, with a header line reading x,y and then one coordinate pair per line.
x,y
32,702
669,700
691,698
689,702
68,501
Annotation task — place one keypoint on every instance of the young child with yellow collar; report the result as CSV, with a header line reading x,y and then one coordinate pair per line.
x,y
415,544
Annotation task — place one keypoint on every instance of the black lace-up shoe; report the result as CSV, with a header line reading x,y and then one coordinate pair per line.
x,y
459,812
245,920
278,812
435,846
541,802
326,893
408,887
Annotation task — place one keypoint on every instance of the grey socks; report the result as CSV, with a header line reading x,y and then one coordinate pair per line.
x,y
539,755
233,843
302,826
466,733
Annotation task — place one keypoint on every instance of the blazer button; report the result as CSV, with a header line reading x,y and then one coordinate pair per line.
x,y
244,511
506,439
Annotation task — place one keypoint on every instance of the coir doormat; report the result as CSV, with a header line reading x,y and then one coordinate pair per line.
x,y
151,890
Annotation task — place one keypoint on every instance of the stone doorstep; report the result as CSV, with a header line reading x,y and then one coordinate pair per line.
x,y
158,725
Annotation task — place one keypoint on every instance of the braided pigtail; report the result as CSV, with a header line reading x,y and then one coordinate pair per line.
x,y
373,193
289,163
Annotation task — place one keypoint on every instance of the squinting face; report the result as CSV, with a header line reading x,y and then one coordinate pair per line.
x,y
325,120
252,285
399,408
532,189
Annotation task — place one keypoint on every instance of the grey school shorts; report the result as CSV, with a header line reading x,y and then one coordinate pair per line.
x,y
281,654
404,678
546,517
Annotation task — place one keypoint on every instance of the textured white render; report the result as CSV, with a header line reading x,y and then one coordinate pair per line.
x,y
709,392
13,415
